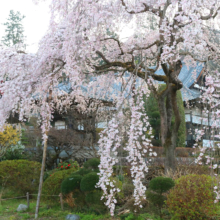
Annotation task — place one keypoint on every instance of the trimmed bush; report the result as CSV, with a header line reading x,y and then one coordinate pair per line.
x,y
161,184
89,181
71,183
92,164
20,175
52,185
157,187
192,198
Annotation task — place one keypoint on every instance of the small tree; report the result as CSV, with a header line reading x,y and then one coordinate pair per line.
x,y
14,30
8,137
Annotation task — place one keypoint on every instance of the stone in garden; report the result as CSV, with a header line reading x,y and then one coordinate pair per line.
x,y
22,207
73,217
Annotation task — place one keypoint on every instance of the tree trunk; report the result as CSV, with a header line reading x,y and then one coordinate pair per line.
x,y
169,133
170,157
41,178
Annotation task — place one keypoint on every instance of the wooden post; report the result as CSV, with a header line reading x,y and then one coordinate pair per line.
x,y
28,204
41,178
61,200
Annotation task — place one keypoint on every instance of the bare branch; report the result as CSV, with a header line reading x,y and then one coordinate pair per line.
x,y
119,43
144,48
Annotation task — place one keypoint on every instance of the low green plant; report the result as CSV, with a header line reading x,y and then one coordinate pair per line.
x,y
157,187
192,198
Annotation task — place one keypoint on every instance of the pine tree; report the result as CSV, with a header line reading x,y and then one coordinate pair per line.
x,y
14,30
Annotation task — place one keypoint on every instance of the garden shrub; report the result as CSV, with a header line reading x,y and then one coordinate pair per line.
x,y
92,164
192,198
71,183
21,176
157,187
52,185
89,181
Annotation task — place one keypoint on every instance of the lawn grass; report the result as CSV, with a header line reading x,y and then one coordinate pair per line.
x,y
8,211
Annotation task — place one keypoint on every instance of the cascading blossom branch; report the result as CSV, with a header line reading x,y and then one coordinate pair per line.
x,y
138,144
137,132
109,142
211,98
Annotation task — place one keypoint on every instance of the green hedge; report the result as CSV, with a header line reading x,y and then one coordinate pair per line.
x,y
21,176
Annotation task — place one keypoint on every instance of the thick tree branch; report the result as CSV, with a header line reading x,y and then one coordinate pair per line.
x,y
212,14
102,56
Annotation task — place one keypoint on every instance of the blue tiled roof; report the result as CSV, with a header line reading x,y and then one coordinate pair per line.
x,y
188,76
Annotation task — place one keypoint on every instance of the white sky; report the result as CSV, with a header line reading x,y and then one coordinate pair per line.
x,y
35,23
36,20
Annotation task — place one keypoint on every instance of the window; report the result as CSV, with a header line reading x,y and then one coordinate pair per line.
x,y
59,125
